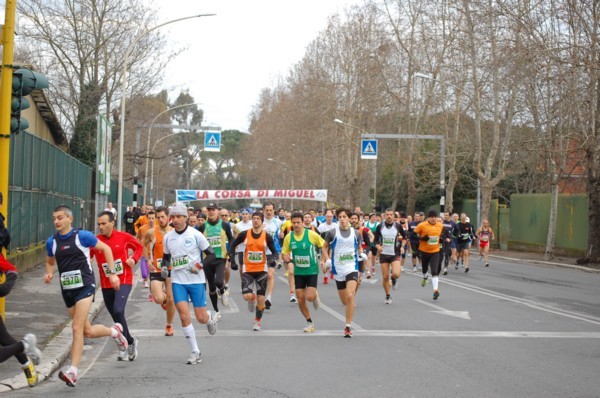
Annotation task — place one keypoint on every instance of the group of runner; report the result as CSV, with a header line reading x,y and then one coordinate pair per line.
x,y
186,258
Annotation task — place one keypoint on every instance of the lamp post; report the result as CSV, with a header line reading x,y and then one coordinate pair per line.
x,y
289,170
338,121
123,100
150,135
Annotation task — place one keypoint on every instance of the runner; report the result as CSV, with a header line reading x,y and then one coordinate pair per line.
x,y
285,229
404,224
160,287
218,233
183,247
323,229
389,241
373,254
69,249
485,235
25,351
254,266
429,234
308,222
367,238
464,232
272,226
448,247
115,301
302,244
346,249
414,242
244,225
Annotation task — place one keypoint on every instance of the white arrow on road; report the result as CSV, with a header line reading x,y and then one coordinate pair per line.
x,y
443,311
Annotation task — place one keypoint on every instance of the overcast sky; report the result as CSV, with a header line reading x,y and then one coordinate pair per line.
x,y
247,46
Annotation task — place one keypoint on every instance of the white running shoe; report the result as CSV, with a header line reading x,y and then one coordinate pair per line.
x,y
317,302
123,355
30,343
310,327
218,315
388,300
256,326
225,298
293,298
119,338
194,358
211,326
132,350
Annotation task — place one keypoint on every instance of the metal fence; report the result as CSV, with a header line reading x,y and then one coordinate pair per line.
x,y
42,176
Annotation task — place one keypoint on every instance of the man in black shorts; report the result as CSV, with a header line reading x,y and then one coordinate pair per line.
x,y
389,238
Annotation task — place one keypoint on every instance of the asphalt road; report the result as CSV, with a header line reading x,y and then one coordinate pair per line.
x,y
510,330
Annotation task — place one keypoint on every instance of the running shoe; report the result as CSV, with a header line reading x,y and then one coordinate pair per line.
x,y
424,281
123,355
256,325
194,358
30,344
68,377
326,280
119,338
467,269
436,294
456,265
394,284
388,300
445,271
487,265
317,302
225,298
267,304
168,330
310,327
414,268
252,304
146,284
211,325
133,349
368,275
293,298
347,332
373,270
30,373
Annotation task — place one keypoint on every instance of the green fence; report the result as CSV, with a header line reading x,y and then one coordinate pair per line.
x,y
529,220
42,177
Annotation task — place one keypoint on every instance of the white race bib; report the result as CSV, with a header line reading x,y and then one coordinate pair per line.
x,y
118,268
433,240
302,261
71,280
255,257
180,261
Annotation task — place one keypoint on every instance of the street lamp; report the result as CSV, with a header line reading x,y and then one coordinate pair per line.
x,y
287,167
123,100
150,135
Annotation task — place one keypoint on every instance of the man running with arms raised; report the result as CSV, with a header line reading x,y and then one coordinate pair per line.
x,y
302,244
183,248
70,249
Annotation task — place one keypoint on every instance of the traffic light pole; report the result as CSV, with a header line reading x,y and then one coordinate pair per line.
x,y
8,40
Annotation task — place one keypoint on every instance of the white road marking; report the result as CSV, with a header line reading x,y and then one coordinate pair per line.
x,y
444,311
387,333
529,303
330,310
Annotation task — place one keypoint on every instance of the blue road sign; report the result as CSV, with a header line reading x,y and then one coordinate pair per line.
x,y
368,149
212,141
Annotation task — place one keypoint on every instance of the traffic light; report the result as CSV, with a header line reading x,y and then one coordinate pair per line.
x,y
23,83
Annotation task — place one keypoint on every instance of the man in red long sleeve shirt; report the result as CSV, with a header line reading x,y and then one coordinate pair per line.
x,y
115,300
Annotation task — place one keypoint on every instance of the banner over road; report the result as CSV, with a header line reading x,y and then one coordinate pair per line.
x,y
319,195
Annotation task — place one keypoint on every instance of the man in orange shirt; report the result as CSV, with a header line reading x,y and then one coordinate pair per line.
x,y
430,237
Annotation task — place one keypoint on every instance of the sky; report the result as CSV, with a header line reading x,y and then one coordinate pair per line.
x,y
247,46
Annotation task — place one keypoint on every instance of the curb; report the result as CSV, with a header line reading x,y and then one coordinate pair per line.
x,y
543,262
55,352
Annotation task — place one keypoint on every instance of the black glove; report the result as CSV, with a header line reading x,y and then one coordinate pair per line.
x,y
424,238
6,287
272,264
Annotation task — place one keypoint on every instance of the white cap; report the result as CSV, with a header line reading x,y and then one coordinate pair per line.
x,y
178,209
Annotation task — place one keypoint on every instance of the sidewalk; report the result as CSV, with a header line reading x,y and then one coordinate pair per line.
x,y
33,307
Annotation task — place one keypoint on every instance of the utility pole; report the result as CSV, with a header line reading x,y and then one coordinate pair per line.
x,y
8,41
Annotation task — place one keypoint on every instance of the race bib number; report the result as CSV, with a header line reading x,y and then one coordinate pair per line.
x,y
464,236
388,242
255,257
71,280
118,268
347,256
433,240
302,261
180,261
130,221
215,241
484,238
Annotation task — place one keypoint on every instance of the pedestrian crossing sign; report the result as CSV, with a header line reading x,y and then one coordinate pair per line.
x,y
212,141
368,149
